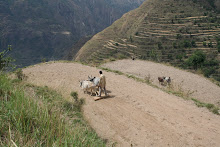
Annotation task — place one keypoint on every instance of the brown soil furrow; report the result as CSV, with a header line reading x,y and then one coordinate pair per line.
x,y
135,113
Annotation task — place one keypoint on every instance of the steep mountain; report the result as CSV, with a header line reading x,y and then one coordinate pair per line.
x,y
164,31
48,28
127,5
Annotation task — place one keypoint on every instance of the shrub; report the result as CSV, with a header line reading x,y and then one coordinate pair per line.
x,y
218,46
75,96
175,45
195,22
131,39
196,60
19,74
212,63
5,62
178,36
179,57
204,43
153,54
160,45
208,71
78,102
43,60
187,44
193,43
210,45
170,57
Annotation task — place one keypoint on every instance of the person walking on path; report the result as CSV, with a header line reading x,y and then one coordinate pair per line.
x,y
102,84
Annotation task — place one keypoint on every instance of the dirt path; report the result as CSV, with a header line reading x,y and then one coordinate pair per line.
x,y
135,113
201,88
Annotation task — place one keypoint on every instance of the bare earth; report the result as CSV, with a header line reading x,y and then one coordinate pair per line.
x,y
135,113
201,88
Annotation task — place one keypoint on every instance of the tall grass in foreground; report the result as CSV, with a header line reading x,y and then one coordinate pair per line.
x,y
42,119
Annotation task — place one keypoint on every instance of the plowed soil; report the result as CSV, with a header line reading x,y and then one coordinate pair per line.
x,y
195,85
134,113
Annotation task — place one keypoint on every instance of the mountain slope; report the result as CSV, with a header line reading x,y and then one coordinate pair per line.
x,y
135,113
160,30
47,28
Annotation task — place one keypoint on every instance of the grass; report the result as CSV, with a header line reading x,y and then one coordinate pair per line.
x,y
211,107
171,90
39,116
114,71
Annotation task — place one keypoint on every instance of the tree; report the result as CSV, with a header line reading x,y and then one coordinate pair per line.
x,y
210,44
179,57
218,46
5,61
160,46
178,36
187,44
193,43
196,60
217,4
175,45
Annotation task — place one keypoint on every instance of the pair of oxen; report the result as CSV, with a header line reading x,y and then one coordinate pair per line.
x,y
90,85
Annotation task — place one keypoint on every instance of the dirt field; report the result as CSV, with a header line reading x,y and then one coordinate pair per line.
x,y
135,113
201,88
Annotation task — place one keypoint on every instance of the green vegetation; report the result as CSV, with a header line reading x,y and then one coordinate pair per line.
x,y
39,116
179,57
114,71
178,36
5,61
196,60
19,74
211,107
210,45
167,34
218,46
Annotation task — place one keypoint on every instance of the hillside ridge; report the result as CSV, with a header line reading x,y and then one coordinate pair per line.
x,y
162,31
135,113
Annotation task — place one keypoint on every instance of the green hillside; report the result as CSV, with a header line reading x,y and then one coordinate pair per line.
x,y
164,31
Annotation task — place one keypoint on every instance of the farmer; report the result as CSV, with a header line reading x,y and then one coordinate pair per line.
x,y
102,84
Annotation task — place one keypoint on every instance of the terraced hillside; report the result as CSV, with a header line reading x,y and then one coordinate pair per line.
x,y
161,30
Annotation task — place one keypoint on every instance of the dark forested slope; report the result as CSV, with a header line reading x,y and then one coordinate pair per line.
x,y
47,28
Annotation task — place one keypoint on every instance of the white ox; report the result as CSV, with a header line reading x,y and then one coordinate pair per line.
x,y
95,80
167,80
88,86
